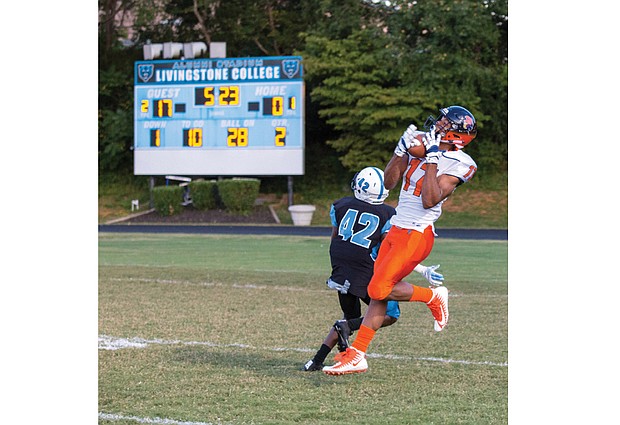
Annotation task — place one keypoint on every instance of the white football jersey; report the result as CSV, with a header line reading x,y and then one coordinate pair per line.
x,y
410,214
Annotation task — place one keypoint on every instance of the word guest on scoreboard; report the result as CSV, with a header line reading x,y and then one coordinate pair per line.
x,y
226,116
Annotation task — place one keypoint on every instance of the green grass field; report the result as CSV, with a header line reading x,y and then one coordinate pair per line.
x,y
200,329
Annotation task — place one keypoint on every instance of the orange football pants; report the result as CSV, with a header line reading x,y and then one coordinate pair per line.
x,y
399,253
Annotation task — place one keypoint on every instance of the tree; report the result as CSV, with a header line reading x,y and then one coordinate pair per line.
x,y
458,51
115,87
359,96
371,67
250,28
403,62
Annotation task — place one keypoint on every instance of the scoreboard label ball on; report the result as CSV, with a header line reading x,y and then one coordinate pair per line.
x,y
226,116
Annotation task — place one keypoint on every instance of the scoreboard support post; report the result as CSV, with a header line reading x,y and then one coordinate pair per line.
x,y
290,190
151,186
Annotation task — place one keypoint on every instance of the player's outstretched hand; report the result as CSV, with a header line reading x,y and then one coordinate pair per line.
x,y
434,278
406,141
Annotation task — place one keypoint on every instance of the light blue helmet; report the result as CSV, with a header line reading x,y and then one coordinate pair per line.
x,y
368,186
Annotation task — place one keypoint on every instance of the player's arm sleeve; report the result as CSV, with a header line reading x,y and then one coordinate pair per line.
x,y
332,215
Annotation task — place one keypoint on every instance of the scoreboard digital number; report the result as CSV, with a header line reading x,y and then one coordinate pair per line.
x,y
226,116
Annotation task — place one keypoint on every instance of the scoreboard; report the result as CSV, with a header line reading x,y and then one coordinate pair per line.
x,y
218,117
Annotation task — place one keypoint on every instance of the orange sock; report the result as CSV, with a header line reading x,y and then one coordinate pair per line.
x,y
363,339
421,294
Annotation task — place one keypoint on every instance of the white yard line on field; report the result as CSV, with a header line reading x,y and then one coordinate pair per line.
x,y
271,287
107,342
155,420
214,284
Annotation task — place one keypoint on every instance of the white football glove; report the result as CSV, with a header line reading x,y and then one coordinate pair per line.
x,y
431,143
343,289
406,141
433,277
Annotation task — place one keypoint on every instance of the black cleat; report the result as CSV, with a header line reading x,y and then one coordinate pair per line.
x,y
344,332
311,366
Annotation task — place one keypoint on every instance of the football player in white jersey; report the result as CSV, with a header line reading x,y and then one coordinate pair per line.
x,y
426,183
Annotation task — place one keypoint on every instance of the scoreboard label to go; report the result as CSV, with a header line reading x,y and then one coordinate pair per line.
x,y
226,116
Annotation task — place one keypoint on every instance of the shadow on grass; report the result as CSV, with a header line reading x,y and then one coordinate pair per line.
x,y
260,363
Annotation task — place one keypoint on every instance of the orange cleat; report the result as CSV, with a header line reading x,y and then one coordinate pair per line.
x,y
349,361
439,307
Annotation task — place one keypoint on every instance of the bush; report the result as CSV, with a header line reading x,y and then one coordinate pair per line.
x,y
238,195
167,199
204,194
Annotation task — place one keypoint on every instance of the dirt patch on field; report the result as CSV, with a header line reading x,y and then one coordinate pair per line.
x,y
259,215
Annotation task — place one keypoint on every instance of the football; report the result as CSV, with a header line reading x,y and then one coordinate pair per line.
x,y
418,151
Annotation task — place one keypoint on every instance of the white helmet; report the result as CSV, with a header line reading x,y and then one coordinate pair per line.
x,y
367,185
